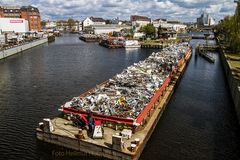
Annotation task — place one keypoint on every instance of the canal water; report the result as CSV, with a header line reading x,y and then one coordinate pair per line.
x,y
199,122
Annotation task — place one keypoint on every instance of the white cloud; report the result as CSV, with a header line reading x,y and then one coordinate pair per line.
x,y
185,10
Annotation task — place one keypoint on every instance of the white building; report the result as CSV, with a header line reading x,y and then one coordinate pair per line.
x,y
139,21
138,35
170,25
89,21
178,26
2,39
108,28
51,24
80,25
17,25
205,20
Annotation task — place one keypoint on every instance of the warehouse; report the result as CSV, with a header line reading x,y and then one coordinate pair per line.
x,y
17,25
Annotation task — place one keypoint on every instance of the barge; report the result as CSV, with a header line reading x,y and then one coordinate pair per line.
x,y
124,137
90,38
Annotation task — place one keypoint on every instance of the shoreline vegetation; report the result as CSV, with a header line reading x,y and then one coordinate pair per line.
x,y
228,36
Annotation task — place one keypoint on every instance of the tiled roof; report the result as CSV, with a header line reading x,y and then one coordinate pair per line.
x,y
96,19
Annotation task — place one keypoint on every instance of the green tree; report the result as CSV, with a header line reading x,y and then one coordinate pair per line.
x,y
236,35
43,24
149,30
228,31
71,23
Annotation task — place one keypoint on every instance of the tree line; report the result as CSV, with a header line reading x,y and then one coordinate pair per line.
x,y
228,31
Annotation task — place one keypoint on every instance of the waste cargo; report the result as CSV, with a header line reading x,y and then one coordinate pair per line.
x,y
127,93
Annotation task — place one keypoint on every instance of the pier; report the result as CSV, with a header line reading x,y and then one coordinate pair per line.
x,y
205,51
19,48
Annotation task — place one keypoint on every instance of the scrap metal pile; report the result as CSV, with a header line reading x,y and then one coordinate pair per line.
x,y
127,93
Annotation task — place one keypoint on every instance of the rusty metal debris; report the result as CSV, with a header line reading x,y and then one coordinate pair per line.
x,y
127,93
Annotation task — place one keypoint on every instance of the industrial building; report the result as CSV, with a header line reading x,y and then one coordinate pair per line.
x,y
29,13
16,25
110,28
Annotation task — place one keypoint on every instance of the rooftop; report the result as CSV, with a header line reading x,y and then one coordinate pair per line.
x,y
139,18
97,19
29,8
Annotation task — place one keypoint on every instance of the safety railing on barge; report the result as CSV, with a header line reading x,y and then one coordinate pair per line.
x,y
140,120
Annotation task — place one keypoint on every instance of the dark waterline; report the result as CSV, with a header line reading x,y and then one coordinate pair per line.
x,y
199,123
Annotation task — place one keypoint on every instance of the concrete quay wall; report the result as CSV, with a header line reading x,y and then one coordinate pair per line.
x,y
234,84
11,51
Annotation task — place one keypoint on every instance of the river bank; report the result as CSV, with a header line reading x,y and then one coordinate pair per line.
x,y
231,65
20,48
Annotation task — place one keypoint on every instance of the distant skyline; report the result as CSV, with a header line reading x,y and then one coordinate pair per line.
x,y
183,10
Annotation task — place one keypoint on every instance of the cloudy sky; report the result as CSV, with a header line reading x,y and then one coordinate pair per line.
x,y
184,10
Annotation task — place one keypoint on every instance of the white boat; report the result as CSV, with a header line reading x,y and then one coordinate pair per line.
x,y
132,44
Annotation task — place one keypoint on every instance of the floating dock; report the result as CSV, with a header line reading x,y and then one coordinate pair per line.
x,y
112,145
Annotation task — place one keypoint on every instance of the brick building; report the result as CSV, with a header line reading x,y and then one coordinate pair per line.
x,y
29,13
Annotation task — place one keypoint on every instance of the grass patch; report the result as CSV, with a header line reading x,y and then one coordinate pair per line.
x,y
234,64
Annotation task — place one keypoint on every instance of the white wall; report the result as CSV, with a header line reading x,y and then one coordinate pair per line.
x,y
179,27
2,39
106,30
87,22
51,24
139,24
14,24
99,23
